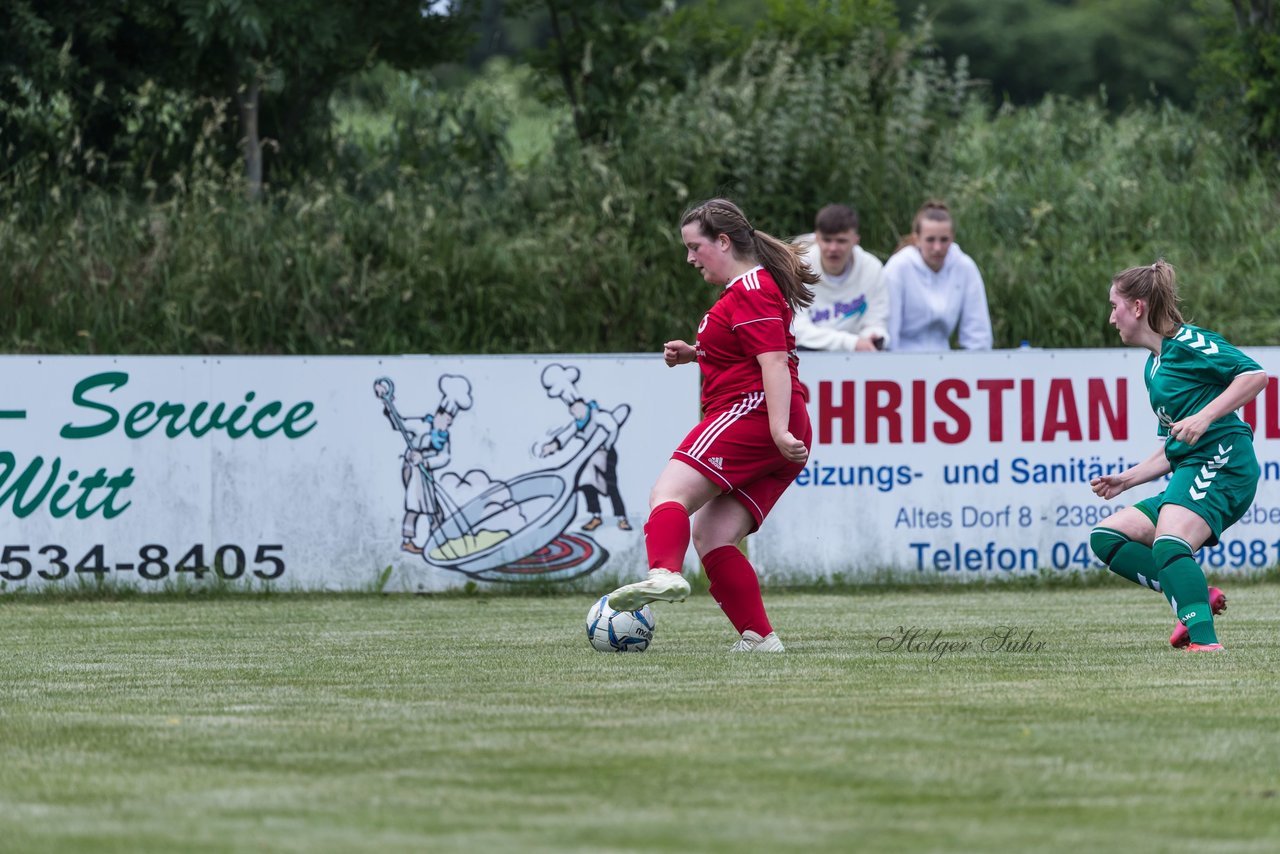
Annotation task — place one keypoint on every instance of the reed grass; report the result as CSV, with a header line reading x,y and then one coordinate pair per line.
x,y
432,233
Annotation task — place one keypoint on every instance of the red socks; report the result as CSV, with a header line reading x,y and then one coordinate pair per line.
x,y
734,584
666,536
736,588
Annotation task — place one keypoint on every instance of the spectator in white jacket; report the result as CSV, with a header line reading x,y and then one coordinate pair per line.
x,y
850,310
935,290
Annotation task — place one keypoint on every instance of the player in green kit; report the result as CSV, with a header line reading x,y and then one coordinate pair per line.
x,y
1196,381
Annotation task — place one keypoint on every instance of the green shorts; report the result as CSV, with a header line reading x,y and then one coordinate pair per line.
x,y
1217,484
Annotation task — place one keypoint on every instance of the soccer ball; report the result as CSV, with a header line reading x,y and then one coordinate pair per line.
x,y
619,631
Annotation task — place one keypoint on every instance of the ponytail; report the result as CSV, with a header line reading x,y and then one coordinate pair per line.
x,y
784,261
1156,285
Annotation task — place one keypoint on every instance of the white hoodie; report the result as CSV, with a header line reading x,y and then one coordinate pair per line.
x,y
846,307
925,307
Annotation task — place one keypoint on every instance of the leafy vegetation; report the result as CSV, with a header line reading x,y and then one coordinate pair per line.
x,y
1241,67
479,219
1134,51
446,242
114,96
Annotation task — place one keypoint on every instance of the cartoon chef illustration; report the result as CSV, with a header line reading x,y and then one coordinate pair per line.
x,y
427,450
600,474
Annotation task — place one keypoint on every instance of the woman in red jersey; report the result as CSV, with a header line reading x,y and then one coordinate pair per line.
x,y
754,436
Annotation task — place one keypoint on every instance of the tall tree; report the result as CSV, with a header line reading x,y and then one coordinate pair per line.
x,y
1026,49
596,50
68,70
1242,65
604,53
278,61
295,51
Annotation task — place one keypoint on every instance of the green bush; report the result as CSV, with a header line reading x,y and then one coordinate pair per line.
x,y
431,234
1053,200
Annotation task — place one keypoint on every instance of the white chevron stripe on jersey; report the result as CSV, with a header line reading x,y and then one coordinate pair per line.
x,y
1203,343
1197,341
748,403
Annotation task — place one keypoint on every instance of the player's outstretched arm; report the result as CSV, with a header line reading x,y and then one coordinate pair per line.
x,y
1108,486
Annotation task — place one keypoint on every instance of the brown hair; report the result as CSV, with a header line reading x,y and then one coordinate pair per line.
x,y
934,210
1156,285
783,261
834,219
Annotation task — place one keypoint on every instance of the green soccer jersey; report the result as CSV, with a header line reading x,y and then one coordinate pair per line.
x,y
1193,368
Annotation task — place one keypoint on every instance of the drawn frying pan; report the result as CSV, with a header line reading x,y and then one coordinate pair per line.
x,y
546,498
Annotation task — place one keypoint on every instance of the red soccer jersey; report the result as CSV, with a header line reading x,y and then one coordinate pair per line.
x,y
751,317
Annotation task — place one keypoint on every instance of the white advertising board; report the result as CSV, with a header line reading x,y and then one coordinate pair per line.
x,y
976,464
159,470
292,471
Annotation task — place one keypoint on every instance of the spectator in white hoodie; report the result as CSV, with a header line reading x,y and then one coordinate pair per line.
x,y
850,310
935,290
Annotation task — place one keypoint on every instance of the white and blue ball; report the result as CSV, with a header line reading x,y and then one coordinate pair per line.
x,y
619,631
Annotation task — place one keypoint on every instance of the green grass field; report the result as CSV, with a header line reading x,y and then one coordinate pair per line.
x,y
395,723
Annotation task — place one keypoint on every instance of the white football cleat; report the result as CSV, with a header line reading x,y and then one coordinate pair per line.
x,y
752,642
661,585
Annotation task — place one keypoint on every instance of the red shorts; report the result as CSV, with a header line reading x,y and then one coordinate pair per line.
x,y
734,449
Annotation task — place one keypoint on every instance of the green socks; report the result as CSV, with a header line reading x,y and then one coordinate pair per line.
x,y
1124,557
1182,582
1168,566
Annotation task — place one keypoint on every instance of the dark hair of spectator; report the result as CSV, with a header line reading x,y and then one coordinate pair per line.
x,y
834,219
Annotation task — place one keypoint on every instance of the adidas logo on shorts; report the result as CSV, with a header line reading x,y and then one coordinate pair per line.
x,y
718,462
